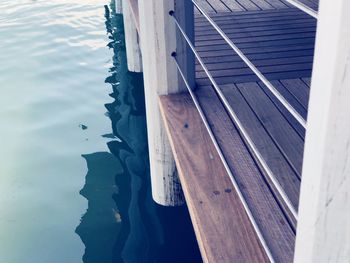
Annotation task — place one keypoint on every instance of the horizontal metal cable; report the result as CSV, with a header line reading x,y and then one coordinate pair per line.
x,y
303,7
227,168
257,72
240,126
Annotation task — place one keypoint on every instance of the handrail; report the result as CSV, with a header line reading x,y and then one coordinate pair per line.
x,y
256,71
224,162
239,125
303,7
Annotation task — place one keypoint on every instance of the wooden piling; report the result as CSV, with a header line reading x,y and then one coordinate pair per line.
x,y
159,40
133,52
118,6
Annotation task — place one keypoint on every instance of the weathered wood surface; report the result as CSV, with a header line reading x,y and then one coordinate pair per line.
x,y
225,6
279,42
134,6
275,227
158,41
132,43
266,133
223,229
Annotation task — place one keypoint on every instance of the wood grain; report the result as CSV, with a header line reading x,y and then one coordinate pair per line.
x,y
265,143
223,229
274,225
249,5
134,5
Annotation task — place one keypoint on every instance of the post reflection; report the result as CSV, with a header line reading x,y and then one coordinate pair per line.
x,y
122,223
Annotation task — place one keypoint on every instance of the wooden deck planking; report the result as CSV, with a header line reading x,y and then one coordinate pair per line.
x,y
265,141
279,40
234,5
223,229
264,37
299,90
258,63
288,116
217,6
285,137
281,45
272,221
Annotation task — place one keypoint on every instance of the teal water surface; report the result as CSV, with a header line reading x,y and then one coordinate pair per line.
x,y
74,173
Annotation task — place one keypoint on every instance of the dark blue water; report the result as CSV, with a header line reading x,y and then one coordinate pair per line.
x,y
74,173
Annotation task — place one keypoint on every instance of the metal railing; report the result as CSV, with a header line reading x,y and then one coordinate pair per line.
x,y
224,162
254,150
257,72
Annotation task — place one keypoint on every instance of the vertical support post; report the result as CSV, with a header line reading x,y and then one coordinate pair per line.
x,y
323,233
184,13
118,6
133,52
159,39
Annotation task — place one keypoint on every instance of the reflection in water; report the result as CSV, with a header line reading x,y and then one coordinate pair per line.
x,y
122,223
100,223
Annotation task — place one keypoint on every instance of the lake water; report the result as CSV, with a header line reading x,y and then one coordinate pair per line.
x,y
74,175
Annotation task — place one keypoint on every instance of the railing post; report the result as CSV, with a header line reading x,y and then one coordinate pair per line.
x,y
323,233
133,52
184,13
158,41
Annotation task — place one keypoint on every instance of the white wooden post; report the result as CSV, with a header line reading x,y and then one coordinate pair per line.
x,y
133,52
323,233
118,6
158,37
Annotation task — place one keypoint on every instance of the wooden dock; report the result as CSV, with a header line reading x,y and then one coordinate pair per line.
x,y
279,40
236,118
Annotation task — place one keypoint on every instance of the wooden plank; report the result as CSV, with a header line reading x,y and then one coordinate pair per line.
x,y
261,56
235,23
277,4
233,5
261,39
258,21
222,227
205,6
285,43
248,5
258,63
265,209
262,4
299,89
284,135
218,6
292,121
265,143
132,40
276,32
246,43
253,78
257,28
246,14
256,50
231,73
307,81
